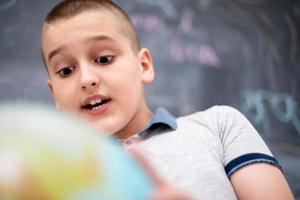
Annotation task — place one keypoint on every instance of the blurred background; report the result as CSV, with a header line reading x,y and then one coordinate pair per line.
x,y
242,53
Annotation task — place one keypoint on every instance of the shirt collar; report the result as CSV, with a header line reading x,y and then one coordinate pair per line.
x,y
160,117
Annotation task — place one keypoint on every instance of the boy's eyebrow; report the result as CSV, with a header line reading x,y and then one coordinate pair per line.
x,y
54,52
94,38
101,37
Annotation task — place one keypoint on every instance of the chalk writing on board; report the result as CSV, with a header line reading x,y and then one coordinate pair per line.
x,y
149,22
294,38
5,4
153,22
183,52
283,106
252,2
205,4
186,21
180,51
165,5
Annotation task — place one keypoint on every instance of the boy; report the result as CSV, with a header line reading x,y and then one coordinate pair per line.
x,y
97,70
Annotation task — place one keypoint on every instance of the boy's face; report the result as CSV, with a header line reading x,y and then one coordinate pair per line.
x,y
94,71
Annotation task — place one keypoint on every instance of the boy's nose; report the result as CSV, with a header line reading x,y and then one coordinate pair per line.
x,y
89,79
85,86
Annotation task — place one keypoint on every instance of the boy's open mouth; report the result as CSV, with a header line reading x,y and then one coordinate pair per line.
x,y
95,104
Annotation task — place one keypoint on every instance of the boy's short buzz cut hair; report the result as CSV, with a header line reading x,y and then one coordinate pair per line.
x,y
70,8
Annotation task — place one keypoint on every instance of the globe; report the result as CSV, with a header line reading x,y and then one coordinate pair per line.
x,y
47,155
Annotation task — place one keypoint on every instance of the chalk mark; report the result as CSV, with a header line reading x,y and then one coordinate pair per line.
x,y
256,100
5,4
294,38
252,2
165,5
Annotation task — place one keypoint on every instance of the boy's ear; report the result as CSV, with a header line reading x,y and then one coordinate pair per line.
x,y
57,104
145,60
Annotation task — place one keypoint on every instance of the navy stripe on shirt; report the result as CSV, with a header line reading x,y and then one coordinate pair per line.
x,y
247,159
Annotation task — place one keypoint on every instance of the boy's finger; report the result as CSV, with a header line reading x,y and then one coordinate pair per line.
x,y
164,190
138,154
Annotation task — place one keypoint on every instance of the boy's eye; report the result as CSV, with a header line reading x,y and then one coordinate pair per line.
x,y
66,71
103,60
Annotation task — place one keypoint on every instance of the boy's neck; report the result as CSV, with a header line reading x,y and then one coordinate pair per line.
x,y
138,122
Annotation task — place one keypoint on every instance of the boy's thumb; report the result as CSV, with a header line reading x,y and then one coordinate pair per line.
x,y
138,154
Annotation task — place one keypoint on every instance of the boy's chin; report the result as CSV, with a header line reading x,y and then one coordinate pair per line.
x,y
103,131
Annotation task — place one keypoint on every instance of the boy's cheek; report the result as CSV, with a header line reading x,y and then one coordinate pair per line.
x,y
57,105
63,101
50,86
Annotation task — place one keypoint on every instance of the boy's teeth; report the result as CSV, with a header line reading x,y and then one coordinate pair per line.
x,y
98,100
94,102
96,108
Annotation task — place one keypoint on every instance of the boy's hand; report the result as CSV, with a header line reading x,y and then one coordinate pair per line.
x,y
163,190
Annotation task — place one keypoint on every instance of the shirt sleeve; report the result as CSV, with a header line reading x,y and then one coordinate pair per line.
x,y
242,145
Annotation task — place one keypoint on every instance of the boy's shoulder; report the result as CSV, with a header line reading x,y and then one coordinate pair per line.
x,y
210,124
214,114
216,122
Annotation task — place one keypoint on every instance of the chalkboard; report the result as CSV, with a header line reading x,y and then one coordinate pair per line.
x,y
243,53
